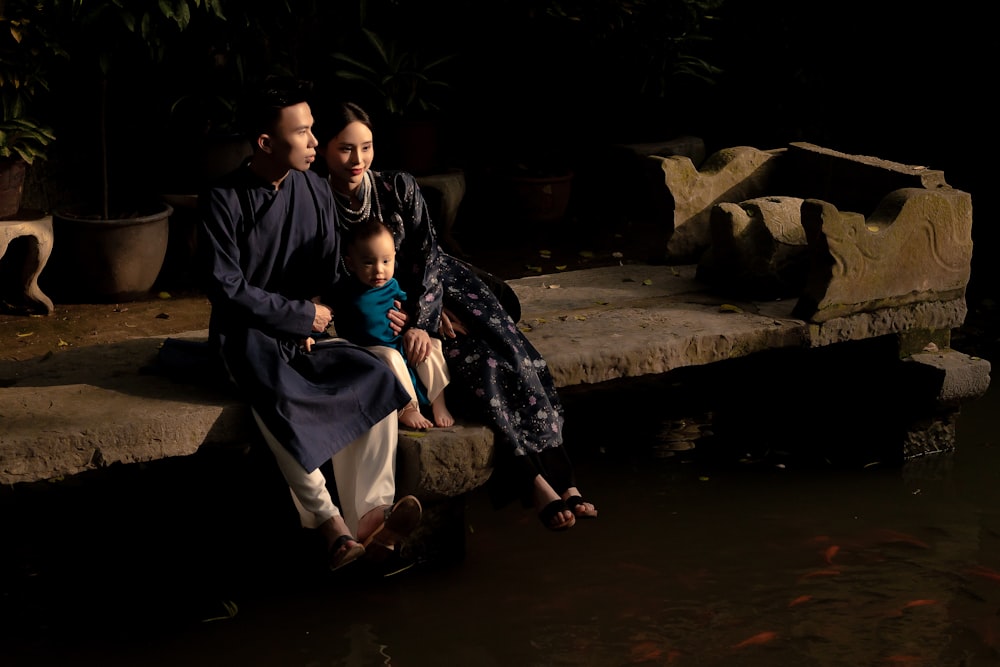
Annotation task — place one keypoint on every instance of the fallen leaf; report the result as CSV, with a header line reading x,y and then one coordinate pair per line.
x,y
415,434
617,255
26,334
581,317
229,611
164,295
647,281
163,316
536,269
729,308
545,253
62,343
561,267
586,253
674,271
553,286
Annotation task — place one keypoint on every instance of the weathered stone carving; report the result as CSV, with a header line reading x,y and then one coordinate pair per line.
x,y
729,175
916,246
758,248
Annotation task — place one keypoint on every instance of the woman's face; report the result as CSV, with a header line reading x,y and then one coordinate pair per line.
x,y
348,156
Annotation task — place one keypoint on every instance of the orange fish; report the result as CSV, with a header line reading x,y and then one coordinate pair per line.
x,y
887,536
757,639
985,572
918,603
904,660
830,552
800,600
832,572
645,651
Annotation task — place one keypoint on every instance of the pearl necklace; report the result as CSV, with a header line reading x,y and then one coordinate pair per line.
x,y
365,193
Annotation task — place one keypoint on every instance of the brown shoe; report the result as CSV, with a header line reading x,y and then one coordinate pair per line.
x,y
398,523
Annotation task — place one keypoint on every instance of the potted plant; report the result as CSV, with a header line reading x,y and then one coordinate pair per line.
x,y
26,53
410,88
110,244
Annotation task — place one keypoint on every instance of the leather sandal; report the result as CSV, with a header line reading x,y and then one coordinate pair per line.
x,y
399,521
341,554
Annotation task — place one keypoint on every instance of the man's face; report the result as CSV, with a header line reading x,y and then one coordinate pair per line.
x,y
292,143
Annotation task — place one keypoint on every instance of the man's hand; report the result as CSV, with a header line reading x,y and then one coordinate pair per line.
x,y
307,344
417,345
322,318
397,317
451,325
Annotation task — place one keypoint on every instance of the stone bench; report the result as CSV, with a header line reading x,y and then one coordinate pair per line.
x,y
91,407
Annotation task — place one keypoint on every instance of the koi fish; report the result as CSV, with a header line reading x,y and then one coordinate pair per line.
x,y
887,536
985,572
757,639
832,572
918,603
802,599
830,552
903,660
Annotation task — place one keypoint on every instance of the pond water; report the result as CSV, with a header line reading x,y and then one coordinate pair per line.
x,y
695,560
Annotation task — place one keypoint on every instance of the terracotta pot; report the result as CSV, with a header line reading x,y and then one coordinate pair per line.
x,y
106,261
541,198
11,186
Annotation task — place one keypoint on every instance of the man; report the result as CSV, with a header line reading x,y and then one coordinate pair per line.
x,y
271,257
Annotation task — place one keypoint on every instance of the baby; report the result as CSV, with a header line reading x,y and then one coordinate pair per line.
x,y
359,316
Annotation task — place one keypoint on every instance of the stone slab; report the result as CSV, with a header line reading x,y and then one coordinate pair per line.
x,y
91,407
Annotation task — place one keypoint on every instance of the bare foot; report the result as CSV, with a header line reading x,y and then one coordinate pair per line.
x,y
559,518
412,418
442,418
580,507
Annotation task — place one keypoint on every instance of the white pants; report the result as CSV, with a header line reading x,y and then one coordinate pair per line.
x,y
433,373
364,472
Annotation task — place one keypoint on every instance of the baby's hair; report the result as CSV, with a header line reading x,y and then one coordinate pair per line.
x,y
363,231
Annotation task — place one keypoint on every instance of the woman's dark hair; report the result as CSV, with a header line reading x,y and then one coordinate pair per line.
x,y
329,122
262,106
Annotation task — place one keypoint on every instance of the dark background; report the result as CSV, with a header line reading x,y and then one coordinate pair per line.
x,y
560,81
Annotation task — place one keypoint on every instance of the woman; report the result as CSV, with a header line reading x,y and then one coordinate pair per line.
x,y
496,374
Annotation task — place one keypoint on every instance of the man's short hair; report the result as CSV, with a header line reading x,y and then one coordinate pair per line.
x,y
262,107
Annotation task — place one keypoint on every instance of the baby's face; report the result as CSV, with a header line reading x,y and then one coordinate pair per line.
x,y
373,260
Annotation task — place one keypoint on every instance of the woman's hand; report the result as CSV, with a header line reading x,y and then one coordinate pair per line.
x,y
417,345
451,326
397,317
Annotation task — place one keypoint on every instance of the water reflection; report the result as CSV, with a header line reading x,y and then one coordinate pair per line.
x,y
694,561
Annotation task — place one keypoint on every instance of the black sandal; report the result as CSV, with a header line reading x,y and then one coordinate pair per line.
x,y
550,511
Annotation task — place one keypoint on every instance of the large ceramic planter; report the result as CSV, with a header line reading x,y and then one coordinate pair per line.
x,y
541,198
106,261
11,186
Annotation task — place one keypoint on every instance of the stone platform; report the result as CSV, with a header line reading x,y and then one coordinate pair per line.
x,y
92,407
